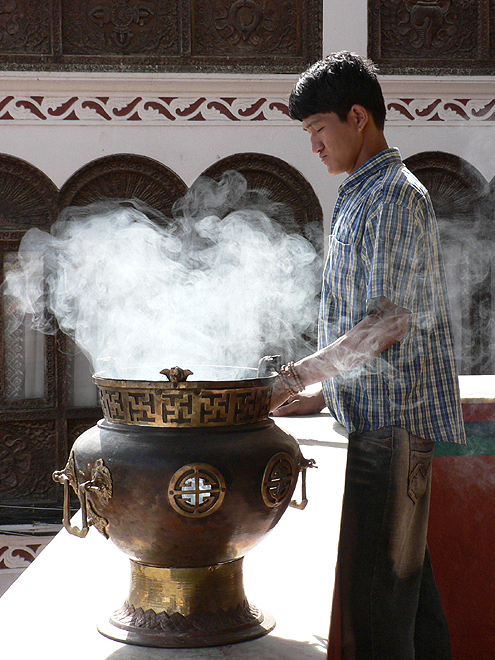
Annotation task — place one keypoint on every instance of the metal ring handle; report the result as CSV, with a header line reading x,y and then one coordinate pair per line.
x,y
305,464
62,478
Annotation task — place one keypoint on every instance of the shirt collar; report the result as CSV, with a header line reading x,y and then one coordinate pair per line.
x,y
370,168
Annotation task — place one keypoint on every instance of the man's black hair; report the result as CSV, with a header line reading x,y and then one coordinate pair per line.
x,y
335,84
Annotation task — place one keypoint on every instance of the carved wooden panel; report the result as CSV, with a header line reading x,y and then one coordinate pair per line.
x,y
152,35
25,27
26,459
246,28
106,27
432,36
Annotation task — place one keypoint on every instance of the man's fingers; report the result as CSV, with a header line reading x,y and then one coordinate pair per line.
x,y
288,408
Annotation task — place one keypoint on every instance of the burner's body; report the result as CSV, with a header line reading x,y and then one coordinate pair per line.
x,y
185,478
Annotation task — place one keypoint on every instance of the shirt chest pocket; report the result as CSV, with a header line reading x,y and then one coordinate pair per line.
x,y
341,268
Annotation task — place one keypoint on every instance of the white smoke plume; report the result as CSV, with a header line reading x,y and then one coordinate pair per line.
x,y
221,283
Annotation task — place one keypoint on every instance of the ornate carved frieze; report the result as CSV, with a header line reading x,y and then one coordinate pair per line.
x,y
184,408
447,108
432,36
249,28
440,110
149,35
18,555
132,109
20,545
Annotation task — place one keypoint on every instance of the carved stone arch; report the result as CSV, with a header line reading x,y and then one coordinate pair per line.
x,y
460,196
123,176
28,198
300,208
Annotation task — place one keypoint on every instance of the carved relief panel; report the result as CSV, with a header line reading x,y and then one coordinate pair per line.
x,y
25,27
150,35
246,27
432,36
107,27
27,459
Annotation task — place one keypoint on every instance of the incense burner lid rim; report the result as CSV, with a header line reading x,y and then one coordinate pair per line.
x,y
241,383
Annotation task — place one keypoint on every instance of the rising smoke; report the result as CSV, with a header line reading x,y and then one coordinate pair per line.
x,y
221,283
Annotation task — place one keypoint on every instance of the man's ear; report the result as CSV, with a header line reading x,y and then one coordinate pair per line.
x,y
359,116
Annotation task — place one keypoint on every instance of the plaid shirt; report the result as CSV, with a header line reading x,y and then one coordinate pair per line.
x,y
384,242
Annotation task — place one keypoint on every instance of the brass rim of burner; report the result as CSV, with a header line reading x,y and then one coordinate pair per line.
x,y
185,404
188,384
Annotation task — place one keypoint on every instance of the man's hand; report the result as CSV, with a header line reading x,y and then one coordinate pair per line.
x,y
280,394
304,403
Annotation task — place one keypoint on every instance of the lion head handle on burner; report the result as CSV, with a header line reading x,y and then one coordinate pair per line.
x,y
176,374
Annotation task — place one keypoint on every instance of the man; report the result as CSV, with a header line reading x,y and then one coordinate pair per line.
x,y
386,364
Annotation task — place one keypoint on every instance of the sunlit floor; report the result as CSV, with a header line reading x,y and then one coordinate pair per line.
x,y
52,609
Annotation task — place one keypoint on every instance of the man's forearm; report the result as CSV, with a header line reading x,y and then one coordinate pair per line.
x,y
370,337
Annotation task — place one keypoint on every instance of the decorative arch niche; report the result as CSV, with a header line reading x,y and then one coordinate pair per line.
x,y
31,415
297,207
300,209
461,198
28,198
123,176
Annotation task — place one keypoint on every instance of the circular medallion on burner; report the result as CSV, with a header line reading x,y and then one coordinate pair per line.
x,y
278,479
196,490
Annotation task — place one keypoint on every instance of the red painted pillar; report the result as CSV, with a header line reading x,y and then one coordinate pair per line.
x,y
461,537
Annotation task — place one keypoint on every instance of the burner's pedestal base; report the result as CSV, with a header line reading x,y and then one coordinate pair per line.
x,y
187,607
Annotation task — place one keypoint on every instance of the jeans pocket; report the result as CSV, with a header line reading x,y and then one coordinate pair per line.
x,y
419,472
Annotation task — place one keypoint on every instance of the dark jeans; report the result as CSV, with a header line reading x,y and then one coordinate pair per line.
x,y
386,603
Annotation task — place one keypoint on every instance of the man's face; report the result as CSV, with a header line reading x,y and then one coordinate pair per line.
x,y
337,143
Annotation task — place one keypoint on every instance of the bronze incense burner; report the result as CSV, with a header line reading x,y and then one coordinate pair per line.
x,y
184,477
